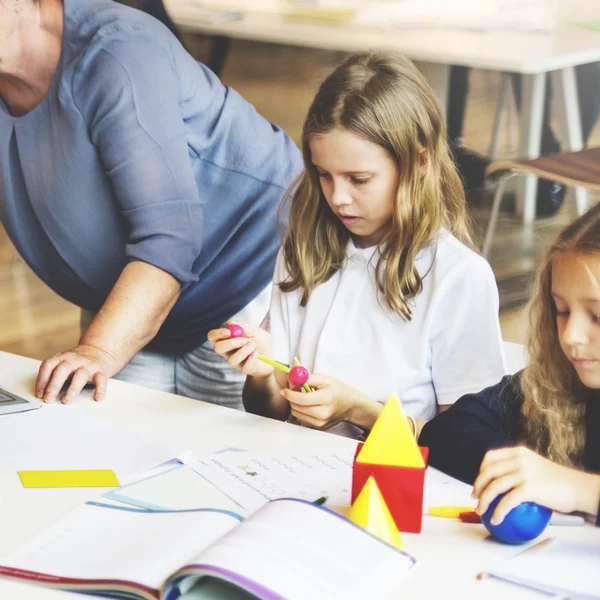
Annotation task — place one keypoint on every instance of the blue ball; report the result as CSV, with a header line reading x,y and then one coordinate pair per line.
x,y
522,524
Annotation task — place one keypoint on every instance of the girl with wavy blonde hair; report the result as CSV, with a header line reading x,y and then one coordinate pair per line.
x,y
377,289
536,435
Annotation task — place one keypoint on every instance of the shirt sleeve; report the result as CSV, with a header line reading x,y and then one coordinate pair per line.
x,y
459,438
466,341
128,94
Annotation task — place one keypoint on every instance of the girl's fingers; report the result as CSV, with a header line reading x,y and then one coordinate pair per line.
x,y
499,455
237,358
302,398
494,470
517,496
306,418
495,488
226,347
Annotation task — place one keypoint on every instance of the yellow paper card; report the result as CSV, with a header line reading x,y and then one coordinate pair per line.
x,y
60,479
391,441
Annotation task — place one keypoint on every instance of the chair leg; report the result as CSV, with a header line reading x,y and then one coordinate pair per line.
x,y
503,98
491,228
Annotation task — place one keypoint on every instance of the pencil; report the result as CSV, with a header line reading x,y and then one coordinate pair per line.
x,y
274,363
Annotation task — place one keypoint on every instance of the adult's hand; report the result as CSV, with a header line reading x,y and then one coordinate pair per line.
x,y
79,366
131,316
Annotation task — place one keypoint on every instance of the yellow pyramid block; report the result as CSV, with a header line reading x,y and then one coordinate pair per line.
x,y
370,512
391,441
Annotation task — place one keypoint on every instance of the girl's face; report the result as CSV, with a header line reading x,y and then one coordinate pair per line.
x,y
576,293
359,181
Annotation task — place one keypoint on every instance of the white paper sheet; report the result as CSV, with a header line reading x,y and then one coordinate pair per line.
x,y
60,437
175,487
567,569
443,490
253,478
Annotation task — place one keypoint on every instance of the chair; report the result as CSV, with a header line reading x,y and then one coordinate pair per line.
x,y
580,169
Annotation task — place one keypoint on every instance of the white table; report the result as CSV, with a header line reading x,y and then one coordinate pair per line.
x,y
530,54
450,553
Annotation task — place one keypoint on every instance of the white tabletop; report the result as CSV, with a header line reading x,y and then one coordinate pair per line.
x,y
522,52
449,553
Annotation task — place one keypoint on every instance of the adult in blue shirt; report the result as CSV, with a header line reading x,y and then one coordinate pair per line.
x,y
138,187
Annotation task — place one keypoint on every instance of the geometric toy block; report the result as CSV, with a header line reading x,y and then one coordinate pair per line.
x,y
391,441
401,488
370,512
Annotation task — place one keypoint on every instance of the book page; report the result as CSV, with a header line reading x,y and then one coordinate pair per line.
x,y
99,542
297,550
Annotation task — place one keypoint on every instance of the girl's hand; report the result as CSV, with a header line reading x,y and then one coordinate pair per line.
x,y
527,477
242,352
330,403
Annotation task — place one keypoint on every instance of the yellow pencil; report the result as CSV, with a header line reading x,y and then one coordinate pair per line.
x,y
274,363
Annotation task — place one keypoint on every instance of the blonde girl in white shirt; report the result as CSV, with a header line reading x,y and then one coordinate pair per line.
x,y
376,288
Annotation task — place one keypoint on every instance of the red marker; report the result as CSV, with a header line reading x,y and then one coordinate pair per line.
x,y
469,517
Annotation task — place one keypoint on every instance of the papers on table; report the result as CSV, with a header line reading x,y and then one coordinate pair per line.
x,y
174,486
60,437
253,478
443,490
559,568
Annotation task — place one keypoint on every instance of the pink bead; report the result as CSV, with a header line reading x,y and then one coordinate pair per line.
x,y
235,330
298,376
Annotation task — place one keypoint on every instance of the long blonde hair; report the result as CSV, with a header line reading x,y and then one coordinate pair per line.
x,y
554,399
382,98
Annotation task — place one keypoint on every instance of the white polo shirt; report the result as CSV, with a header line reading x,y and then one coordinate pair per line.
x,y
451,346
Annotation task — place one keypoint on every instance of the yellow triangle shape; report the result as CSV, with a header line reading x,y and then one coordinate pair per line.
x,y
370,512
391,441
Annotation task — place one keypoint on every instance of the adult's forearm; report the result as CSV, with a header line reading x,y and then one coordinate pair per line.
x,y
135,309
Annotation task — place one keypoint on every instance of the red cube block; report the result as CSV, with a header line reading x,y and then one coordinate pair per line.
x,y
401,488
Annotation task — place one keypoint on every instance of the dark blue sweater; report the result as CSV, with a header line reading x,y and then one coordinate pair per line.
x,y
140,153
459,438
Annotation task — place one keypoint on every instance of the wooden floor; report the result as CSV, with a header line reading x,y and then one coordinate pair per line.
x,y
280,82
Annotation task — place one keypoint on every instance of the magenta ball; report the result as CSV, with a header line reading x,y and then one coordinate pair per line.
x,y
235,330
298,376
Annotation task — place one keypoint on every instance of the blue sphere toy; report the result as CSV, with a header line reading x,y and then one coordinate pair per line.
x,y
522,524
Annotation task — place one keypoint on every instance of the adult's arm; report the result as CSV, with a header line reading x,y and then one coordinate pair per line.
x,y
128,94
459,438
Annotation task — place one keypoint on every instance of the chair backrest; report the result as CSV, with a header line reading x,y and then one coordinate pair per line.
x,y
516,356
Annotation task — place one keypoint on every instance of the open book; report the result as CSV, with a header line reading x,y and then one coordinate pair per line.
x,y
288,549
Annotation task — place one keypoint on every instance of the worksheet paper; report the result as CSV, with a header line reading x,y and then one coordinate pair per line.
x,y
58,437
253,478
